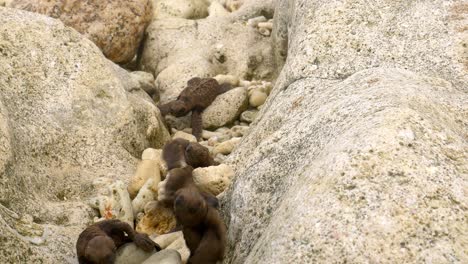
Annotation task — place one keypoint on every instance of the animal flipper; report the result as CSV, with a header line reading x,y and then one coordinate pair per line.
x,y
197,124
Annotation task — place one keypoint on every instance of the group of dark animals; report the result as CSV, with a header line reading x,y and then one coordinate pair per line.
x,y
196,211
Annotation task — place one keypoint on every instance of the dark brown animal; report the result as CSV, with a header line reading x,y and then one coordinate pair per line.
x,y
203,229
198,95
180,152
98,243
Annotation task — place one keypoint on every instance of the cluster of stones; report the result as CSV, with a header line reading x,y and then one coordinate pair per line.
x,y
262,24
136,202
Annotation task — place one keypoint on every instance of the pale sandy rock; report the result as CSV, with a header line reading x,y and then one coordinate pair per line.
x,y
116,27
249,115
166,256
147,193
245,83
253,22
226,108
370,168
117,205
222,78
157,220
68,117
186,136
147,169
6,3
239,131
206,134
257,98
190,9
146,83
173,241
213,179
131,254
227,146
233,5
152,154
216,9
266,25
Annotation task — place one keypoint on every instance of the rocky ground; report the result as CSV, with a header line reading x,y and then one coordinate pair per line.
x,y
343,140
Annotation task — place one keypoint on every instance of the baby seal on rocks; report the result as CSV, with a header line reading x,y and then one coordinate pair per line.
x,y
198,95
179,153
98,243
202,226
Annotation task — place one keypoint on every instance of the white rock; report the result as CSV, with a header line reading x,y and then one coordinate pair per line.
x,y
227,146
152,154
257,98
249,115
245,83
147,193
147,169
183,135
213,179
118,204
266,25
253,22
174,241
264,31
232,80
226,108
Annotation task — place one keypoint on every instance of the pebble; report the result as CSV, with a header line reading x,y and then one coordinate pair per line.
x,y
231,79
226,147
253,22
118,204
264,31
213,179
183,135
266,25
249,115
157,219
146,194
257,98
239,131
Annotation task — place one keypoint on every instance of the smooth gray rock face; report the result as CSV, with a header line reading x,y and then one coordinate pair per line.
x,y
66,118
360,153
131,254
166,256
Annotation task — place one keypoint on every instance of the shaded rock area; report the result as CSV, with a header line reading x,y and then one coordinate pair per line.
x,y
66,118
360,152
116,26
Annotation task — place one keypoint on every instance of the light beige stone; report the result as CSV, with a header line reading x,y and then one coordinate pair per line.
x,y
227,146
186,136
152,154
190,9
232,80
157,220
226,108
147,193
213,179
175,241
131,254
147,169
116,27
117,205
239,131
249,115
257,98
166,256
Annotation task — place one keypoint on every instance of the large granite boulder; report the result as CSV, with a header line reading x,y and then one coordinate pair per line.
x,y
116,27
360,154
67,116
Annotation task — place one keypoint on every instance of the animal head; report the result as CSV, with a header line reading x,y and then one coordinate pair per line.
x,y
190,207
101,250
179,108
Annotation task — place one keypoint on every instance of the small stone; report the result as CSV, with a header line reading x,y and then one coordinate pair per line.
x,y
157,220
129,253
257,98
152,154
118,204
239,131
249,116
226,147
183,135
174,240
266,25
147,193
233,5
146,83
253,22
147,169
213,179
245,83
166,256
226,108
209,134
264,31
231,79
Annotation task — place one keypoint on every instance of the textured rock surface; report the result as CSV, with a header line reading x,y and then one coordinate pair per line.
x,y
174,240
213,179
370,168
66,118
116,27
211,44
346,164
225,108
157,220
190,9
